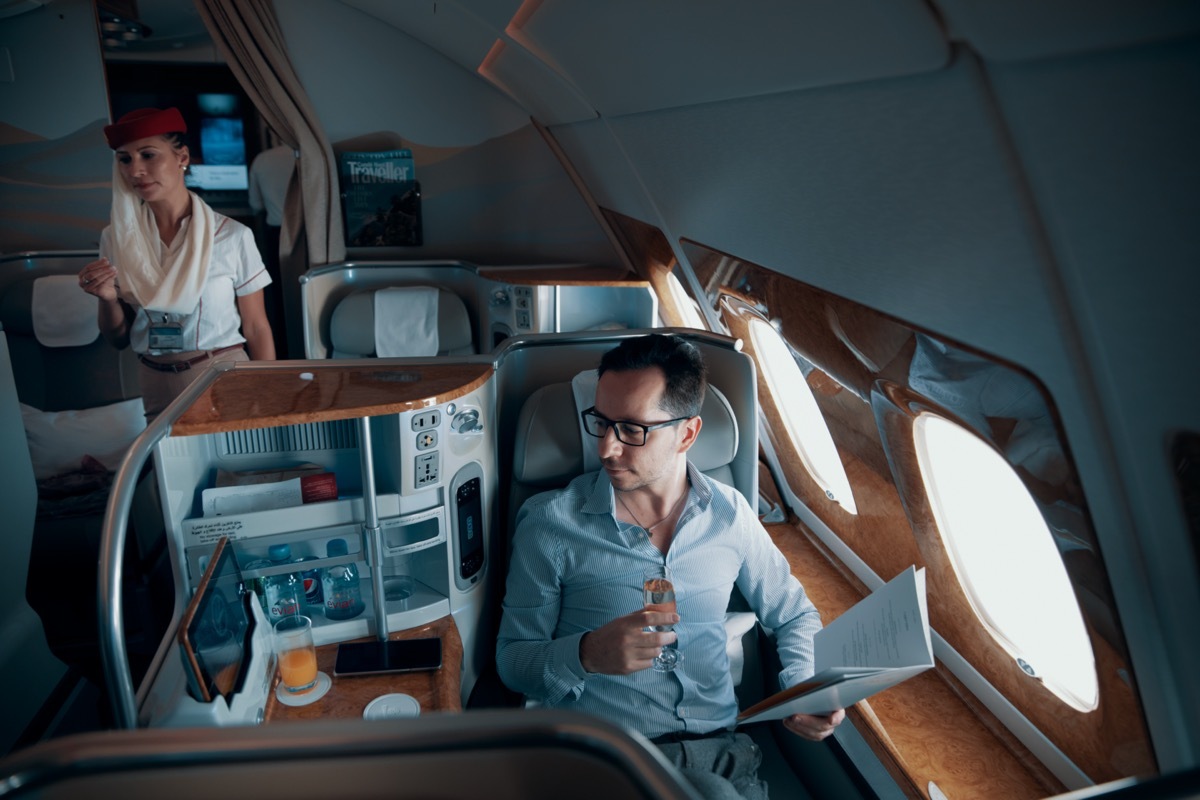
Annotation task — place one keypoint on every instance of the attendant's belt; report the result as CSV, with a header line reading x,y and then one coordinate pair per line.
x,y
185,365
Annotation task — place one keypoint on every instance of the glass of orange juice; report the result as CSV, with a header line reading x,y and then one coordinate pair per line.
x,y
296,653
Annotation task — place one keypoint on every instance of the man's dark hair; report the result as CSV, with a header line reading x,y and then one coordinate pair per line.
x,y
679,360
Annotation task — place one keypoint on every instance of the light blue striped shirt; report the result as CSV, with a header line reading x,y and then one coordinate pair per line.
x,y
576,567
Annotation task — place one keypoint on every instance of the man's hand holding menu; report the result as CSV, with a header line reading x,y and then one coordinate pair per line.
x,y
881,641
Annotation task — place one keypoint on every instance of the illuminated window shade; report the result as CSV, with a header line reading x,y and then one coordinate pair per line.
x,y
1005,558
692,318
801,416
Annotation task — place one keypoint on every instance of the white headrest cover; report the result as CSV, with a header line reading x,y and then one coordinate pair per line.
x,y
406,321
64,315
352,326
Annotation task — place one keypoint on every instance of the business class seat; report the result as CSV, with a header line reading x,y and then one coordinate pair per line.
x,y
79,397
501,755
549,454
353,331
59,377
549,450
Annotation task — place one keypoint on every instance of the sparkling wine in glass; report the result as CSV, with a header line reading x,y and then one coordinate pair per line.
x,y
658,591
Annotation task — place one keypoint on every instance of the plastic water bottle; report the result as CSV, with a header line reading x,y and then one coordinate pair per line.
x,y
343,596
284,593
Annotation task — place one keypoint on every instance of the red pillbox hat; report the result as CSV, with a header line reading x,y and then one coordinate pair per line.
x,y
142,123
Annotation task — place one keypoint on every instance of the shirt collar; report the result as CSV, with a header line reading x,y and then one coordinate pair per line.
x,y
603,501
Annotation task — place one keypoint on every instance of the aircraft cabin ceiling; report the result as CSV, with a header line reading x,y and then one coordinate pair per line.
x,y
569,60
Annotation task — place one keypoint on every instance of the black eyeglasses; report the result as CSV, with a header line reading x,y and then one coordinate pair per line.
x,y
631,433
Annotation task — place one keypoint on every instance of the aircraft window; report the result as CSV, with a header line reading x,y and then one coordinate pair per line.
x,y
798,407
692,317
1005,558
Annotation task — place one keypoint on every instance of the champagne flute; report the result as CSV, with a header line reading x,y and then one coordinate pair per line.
x,y
658,591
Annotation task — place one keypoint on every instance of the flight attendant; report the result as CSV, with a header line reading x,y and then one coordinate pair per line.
x,y
178,282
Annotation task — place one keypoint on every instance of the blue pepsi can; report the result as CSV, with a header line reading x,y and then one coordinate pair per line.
x,y
313,596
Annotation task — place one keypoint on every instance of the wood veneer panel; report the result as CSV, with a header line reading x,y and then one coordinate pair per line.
x,y
435,690
651,256
920,729
268,394
866,365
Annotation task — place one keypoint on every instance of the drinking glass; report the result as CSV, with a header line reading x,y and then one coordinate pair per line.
x,y
658,591
297,654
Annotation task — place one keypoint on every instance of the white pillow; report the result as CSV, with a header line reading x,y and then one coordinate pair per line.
x,y
58,440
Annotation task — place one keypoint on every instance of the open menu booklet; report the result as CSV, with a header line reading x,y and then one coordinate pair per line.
x,y
881,641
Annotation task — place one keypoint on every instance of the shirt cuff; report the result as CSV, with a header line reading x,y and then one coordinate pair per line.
x,y
569,673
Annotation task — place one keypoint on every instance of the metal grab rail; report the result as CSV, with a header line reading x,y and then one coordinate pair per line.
x,y
371,527
113,655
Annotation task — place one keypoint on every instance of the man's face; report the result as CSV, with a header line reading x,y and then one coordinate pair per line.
x,y
633,396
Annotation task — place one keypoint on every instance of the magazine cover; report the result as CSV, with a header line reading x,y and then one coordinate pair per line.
x,y
381,199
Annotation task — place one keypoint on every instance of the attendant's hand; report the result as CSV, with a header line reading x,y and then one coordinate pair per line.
x,y
813,727
100,278
624,645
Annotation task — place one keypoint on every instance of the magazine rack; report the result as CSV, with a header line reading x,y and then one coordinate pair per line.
x,y
381,199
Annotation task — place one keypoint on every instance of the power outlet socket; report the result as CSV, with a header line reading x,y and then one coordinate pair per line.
x,y
428,469
427,420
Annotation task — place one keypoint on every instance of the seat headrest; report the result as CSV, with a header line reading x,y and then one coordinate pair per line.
x,y
352,325
549,445
52,309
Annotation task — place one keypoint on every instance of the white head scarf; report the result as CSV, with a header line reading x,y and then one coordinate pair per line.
x,y
173,285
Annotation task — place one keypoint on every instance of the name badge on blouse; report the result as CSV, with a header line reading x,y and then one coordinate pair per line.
x,y
165,334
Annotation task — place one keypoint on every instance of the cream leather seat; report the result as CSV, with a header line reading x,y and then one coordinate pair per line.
x,y
548,453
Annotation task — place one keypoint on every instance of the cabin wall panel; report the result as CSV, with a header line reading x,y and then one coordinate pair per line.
x,y
55,169
896,194
1109,142
605,168
379,78
491,191
719,50
909,196
1029,29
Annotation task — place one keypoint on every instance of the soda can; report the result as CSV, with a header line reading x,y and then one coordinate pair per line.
x,y
313,596
257,585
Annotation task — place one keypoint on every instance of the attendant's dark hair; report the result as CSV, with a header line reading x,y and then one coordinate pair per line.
x,y
680,361
178,141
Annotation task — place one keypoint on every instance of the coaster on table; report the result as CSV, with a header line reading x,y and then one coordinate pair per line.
x,y
392,706
304,698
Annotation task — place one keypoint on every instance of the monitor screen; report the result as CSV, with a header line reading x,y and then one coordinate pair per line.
x,y
215,630
207,178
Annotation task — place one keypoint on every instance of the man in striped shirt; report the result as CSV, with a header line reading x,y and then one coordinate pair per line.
x,y
574,632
